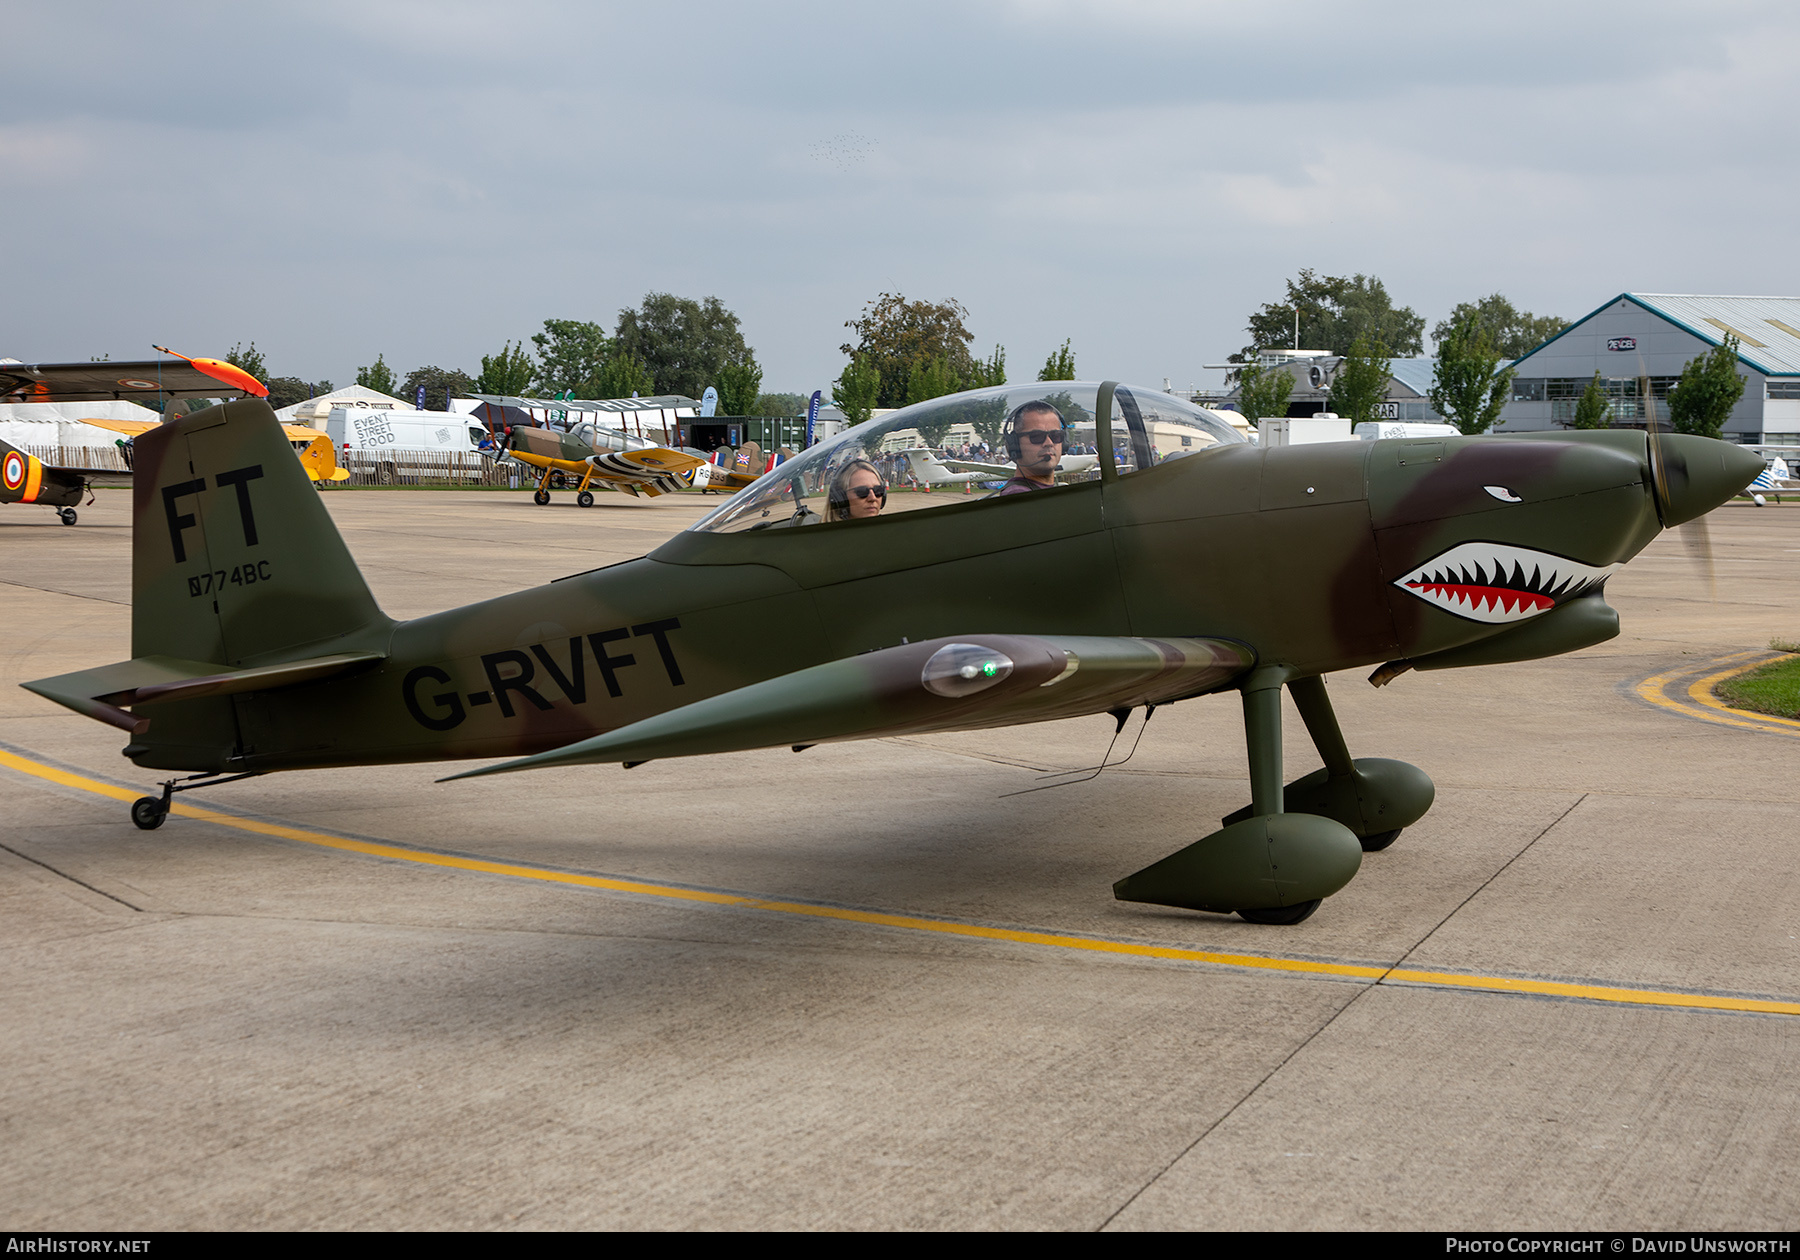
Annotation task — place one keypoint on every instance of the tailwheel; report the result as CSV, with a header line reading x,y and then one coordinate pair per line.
x,y
541,497
1380,840
67,515
585,499
1282,916
148,813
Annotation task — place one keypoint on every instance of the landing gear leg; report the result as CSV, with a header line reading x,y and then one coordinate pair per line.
x,y
150,812
1267,864
585,498
1374,797
543,492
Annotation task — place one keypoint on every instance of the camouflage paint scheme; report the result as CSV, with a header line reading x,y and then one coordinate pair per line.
x,y
652,470
258,647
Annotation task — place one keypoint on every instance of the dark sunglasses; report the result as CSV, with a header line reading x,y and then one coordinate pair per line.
x,y
1037,437
864,492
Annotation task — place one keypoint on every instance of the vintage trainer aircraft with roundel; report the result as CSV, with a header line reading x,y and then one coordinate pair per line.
x,y
819,605
26,479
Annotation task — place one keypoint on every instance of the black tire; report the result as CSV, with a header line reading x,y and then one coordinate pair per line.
x,y
558,481
585,499
1282,916
1380,840
67,515
147,812
541,497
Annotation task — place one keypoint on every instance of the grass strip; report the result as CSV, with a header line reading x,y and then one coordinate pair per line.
x,y
1773,688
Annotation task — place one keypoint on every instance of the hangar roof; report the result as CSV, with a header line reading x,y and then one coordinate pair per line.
x,y
1415,374
1767,328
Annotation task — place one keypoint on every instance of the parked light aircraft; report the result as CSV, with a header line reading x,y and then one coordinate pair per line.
x,y
930,469
785,618
595,456
26,479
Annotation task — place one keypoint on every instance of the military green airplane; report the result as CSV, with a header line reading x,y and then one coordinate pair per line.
x,y
815,606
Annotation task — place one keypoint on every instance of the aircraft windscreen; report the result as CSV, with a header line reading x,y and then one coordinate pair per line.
x,y
1011,439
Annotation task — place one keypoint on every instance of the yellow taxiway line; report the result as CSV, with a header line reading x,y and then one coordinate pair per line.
x,y
950,927
1697,699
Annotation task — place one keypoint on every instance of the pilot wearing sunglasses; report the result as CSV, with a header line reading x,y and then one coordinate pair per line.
x,y
1034,438
856,493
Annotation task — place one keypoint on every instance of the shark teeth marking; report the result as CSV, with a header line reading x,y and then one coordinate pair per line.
x,y
1497,583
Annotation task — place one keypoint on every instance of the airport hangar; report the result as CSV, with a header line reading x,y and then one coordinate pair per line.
x,y
1632,337
1639,336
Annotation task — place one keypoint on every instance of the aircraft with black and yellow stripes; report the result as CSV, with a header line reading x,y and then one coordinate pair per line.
x,y
24,478
593,456
820,604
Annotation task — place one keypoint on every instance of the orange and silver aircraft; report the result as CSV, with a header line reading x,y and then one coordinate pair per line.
x,y
24,478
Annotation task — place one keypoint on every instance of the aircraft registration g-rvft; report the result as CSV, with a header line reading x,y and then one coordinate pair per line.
x,y
24,478
790,617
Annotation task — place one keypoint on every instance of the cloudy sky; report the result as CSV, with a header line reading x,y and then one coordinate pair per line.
x,y
424,180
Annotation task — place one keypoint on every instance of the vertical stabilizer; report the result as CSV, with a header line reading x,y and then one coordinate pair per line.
x,y
234,558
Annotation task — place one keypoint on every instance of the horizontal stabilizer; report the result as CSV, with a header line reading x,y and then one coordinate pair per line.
x,y
103,693
980,681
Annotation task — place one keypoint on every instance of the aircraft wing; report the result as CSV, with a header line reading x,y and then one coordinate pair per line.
x,y
98,382
999,472
654,470
130,428
980,681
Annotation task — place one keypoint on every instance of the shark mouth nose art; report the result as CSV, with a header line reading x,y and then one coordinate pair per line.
x,y
1495,583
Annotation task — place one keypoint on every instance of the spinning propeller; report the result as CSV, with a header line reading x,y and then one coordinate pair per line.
x,y
1695,537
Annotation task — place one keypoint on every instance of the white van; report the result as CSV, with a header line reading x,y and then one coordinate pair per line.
x,y
392,447
1376,430
366,428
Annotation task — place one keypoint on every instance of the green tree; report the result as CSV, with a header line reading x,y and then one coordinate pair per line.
x,y
623,375
1469,387
1512,332
683,344
250,361
1593,411
989,372
781,404
897,338
857,389
285,391
441,385
1361,383
570,354
740,384
510,372
935,379
1335,312
1060,366
1709,388
1263,392
379,378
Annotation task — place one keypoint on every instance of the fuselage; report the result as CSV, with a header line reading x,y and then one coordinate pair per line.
x,y
1316,557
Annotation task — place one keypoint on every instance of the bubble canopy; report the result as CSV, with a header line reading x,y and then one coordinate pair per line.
x,y
973,441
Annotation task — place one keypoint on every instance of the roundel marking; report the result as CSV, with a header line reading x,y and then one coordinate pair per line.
x,y
14,471
130,382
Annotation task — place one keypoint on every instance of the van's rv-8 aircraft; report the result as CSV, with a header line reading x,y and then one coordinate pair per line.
x,y
24,478
784,618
